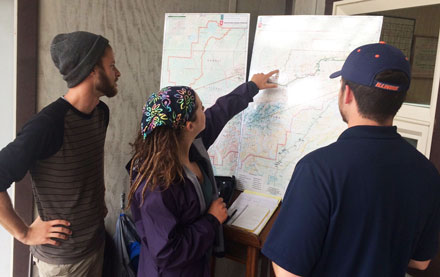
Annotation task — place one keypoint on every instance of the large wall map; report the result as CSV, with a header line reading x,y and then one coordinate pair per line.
x,y
262,145
208,52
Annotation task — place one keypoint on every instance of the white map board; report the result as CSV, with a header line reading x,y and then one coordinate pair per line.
x,y
208,52
262,145
284,124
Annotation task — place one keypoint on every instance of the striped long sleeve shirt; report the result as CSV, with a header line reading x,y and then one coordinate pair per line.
x,y
63,149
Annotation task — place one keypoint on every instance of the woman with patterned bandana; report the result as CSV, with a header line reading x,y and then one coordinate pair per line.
x,y
173,196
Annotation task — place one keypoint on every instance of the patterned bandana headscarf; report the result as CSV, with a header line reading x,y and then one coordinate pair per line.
x,y
171,106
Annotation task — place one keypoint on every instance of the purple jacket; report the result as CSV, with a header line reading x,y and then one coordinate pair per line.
x,y
176,232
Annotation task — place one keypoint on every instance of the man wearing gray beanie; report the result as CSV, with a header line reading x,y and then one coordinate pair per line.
x,y
63,149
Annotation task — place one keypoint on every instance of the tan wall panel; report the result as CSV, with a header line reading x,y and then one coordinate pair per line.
x,y
309,7
135,31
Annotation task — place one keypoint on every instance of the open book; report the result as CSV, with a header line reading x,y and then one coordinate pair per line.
x,y
252,210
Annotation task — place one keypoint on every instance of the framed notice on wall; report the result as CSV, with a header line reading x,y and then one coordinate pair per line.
x,y
424,54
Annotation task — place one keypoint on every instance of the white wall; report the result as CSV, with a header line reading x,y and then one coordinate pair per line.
x,y
7,111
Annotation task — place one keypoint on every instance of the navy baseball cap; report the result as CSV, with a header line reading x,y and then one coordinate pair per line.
x,y
365,62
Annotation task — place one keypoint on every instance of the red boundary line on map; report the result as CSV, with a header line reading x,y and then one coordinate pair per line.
x,y
191,50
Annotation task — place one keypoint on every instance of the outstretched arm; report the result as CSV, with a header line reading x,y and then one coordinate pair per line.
x,y
40,232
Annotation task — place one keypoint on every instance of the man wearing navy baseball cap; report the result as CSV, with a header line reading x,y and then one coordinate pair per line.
x,y
368,204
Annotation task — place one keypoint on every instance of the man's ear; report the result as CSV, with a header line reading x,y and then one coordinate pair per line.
x,y
189,126
348,95
93,73
94,70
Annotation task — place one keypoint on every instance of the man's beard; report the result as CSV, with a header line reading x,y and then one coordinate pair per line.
x,y
104,85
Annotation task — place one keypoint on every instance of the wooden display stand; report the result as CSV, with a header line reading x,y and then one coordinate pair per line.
x,y
245,247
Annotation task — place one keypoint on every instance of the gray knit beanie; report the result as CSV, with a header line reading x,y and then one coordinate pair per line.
x,y
75,54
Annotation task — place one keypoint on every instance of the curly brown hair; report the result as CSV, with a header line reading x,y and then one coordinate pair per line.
x,y
156,161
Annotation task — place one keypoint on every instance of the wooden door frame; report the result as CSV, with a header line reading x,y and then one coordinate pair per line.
x,y
26,103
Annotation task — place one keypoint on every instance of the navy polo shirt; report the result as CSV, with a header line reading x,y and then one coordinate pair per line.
x,y
362,206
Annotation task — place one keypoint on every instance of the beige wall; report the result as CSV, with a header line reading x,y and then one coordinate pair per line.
x,y
309,7
135,30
